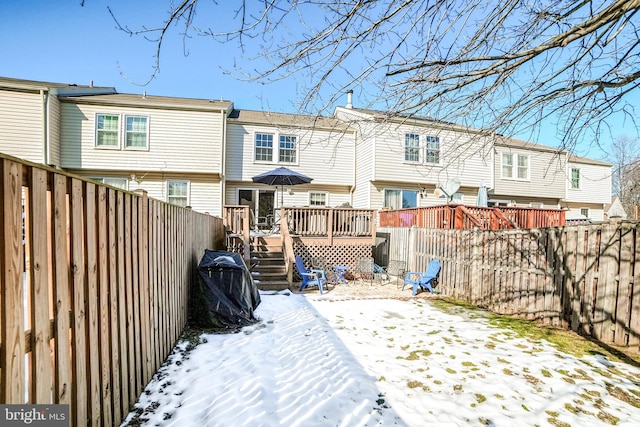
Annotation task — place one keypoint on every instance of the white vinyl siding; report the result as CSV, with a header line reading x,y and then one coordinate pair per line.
x,y
21,125
594,184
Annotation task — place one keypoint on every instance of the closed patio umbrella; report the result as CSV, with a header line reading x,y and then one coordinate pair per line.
x,y
282,176
483,199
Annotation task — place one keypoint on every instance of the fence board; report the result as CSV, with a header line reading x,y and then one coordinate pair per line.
x,y
113,305
135,286
634,322
95,394
129,303
61,291
12,385
122,310
622,312
103,295
38,286
80,391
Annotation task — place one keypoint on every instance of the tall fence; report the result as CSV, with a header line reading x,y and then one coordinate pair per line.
x,y
584,277
94,287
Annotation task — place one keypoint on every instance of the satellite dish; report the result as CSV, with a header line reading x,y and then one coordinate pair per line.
x,y
448,189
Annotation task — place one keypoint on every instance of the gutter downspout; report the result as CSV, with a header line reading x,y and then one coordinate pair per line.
x,y
46,155
223,163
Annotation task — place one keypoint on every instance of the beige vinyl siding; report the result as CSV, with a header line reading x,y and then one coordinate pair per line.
x,y
204,190
595,183
327,157
337,195
21,125
54,130
185,141
461,155
547,177
596,211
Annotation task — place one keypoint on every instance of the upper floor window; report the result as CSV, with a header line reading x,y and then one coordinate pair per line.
x,y
432,153
107,130
264,147
178,193
412,147
515,166
136,135
575,178
317,199
398,199
287,149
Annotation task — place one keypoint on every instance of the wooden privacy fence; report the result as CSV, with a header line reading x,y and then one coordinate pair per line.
x,y
93,290
584,277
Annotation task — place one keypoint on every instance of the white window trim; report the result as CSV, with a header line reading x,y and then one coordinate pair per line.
x,y
95,132
275,149
124,133
422,149
537,203
326,198
514,167
167,197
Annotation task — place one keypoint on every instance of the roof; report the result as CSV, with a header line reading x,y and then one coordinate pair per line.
x,y
284,119
57,88
577,159
149,101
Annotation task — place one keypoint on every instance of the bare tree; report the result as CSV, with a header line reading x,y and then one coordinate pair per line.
x,y
506,66
625,155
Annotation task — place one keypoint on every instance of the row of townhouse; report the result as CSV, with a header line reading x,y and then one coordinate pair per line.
x,y
203,153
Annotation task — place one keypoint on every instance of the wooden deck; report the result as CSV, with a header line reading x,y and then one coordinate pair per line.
x,y
462,217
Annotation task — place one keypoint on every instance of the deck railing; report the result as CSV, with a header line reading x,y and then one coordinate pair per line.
x,y
470,217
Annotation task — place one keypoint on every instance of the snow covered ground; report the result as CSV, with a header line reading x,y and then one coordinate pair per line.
x,y
318,361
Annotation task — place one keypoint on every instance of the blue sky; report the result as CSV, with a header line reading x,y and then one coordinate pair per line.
x,y
62,41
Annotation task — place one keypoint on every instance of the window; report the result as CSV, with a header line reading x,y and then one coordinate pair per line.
x,y
575,178
432,154
121,183
317,199
584,212
287,149
107,130
264,147
411,147
457,198
178,193
398,199
136,132
521,166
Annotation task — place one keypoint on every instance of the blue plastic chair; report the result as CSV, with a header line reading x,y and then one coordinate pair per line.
x,y
310,277
423,279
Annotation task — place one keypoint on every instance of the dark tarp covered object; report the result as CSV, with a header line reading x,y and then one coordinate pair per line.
x,y
228,289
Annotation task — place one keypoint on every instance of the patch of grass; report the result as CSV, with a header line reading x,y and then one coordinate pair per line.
x,y
533,380
452,357
490,345
437,382
553,414
507,371
405,347
415,384
505,361
415,355
608,418
451,371
546,373
458,388
480,398
499,396
466,363
525,408
433,332
382,378
622,395
557,423
567,342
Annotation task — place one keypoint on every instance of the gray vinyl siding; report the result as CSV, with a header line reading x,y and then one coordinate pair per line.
x,y
595,183
21,125
179,141
327,157
547,175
